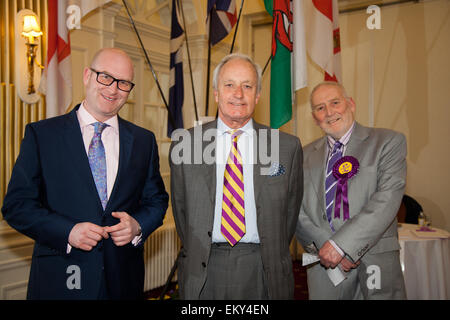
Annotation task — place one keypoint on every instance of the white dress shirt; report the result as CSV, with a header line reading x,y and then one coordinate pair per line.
x,y
245,146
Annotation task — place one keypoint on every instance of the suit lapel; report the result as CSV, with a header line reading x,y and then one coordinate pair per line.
x,y
317,163
259,179
210,177
209,170
126,145
356,147
73,140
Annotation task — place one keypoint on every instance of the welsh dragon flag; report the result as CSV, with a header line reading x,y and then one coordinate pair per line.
x,y
288,68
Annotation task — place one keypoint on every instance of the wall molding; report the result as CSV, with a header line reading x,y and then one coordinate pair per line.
x,y
14,291
145,30
10,238
23,262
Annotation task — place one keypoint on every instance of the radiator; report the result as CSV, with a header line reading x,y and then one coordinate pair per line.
x,y
160,251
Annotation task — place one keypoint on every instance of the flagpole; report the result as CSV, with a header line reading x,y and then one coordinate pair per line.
x,y
237,26
294,114
189,59
150,65
267,64
209,64
371,81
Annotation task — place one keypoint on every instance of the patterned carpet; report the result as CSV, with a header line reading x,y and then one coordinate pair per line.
x,y
301,285
300,293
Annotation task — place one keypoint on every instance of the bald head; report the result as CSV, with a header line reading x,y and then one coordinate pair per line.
x,y
110,68
337,85
332,110
113,55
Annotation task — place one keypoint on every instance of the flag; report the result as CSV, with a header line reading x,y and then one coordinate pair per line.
x,y
221,15
56,82
299,50
176,85
288,68
323,38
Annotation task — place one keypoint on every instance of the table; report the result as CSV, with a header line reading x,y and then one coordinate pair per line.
x,y
425,260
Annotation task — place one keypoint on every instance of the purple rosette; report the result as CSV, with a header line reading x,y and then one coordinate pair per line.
x,y
344,169
426,229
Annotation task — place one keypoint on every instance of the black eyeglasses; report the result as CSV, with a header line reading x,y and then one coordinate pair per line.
x,y
107,80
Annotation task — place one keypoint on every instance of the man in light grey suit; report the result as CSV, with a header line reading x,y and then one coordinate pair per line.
x,y
361,239
257,263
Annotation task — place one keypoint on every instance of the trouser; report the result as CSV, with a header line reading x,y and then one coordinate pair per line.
x,y
235,273
379,276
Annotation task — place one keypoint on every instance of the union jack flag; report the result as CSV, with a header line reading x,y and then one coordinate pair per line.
x,y
222,16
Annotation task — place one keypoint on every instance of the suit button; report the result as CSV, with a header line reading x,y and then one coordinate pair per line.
x,y
204,265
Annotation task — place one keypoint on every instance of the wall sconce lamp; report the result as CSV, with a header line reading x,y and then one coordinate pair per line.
x,y
30,31
27,37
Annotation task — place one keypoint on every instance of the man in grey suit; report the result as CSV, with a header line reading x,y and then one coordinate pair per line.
x,y
360,238
251,261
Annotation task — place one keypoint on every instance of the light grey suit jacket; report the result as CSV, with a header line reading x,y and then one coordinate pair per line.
x,y
374,195
278,199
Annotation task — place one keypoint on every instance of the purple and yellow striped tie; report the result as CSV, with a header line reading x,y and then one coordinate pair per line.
x,y
233,217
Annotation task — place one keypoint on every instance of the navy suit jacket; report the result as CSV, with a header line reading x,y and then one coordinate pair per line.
x,y
52,188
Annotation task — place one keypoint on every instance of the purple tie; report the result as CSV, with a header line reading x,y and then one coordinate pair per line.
x,y
331,181
233,213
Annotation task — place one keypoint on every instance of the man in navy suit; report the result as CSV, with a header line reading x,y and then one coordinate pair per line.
x,y
86,248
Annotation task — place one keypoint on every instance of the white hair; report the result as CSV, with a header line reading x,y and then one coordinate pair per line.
x,y
241,56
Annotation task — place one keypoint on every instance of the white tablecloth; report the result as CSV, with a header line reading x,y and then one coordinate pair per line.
x,y
425,262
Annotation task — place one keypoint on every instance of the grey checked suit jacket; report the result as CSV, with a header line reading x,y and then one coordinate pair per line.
x,y
374,196
278,199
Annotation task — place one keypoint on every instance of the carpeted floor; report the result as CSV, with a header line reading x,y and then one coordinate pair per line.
x,y
301,285
300,293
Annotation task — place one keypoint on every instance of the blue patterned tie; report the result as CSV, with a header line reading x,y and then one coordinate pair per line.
x,y
331,181
97,161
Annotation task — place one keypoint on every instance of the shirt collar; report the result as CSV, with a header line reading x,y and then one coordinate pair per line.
x,y
222,128
344,139
86,119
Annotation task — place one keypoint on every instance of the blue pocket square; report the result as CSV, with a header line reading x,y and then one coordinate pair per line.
x,y
277,169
